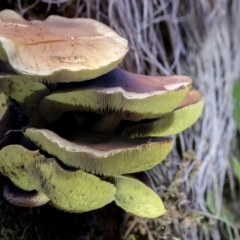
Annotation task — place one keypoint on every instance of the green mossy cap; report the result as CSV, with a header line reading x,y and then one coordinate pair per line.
x,y
135,197
4,113
184,116
120,93
15,163
71,191
21,198
3,105
27,93
99,155
59,49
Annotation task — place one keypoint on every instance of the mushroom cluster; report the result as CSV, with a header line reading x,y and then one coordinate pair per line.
x,y
96,127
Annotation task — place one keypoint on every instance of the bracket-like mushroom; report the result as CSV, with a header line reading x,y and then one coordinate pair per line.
x,y
26,92
118,95
4,114
106,156
59,49
184,116
134,196
72,191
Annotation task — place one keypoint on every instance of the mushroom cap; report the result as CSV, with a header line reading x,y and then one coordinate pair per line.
x,y
4,114
59,49
27,93
15,163
184,116
21,198
106,156
126,95
71,191
135,197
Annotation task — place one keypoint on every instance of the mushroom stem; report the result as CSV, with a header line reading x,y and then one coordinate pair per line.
x,y
106,124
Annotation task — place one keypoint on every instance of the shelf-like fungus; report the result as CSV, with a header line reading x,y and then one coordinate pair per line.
x,y
26,92
184,116
59,49
122,119
41,180
4,114
101,155
118,95
71,191
134,196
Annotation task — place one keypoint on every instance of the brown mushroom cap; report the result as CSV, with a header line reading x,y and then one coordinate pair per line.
x,y
184,116
21,198
107,156
59,49
120,93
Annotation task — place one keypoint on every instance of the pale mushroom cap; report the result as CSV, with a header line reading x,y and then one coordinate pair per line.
x,y
107,157
120,93
59,48
183,117
71,191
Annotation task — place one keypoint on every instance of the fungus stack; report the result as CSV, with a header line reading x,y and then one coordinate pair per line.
x,y
62,71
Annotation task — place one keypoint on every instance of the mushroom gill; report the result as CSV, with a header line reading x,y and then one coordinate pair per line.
x,y
183,117
99,154
118,95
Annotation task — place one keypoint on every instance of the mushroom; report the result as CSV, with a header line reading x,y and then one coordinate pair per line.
x,y
100,154
134,196
59,49
41,180
184,116
71,191
4,114
118,95
21,198
26,92
67,52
